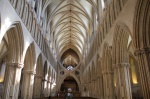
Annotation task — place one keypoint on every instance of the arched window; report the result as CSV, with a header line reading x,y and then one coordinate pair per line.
x,y
70,68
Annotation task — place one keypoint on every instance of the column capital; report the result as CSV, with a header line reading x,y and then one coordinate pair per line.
x,y
141,51
121,65
30,72
16,65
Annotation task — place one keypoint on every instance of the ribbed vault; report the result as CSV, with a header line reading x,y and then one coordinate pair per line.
x,y
70,22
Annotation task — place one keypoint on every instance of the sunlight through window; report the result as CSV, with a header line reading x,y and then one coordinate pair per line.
x,y
103,4
69,68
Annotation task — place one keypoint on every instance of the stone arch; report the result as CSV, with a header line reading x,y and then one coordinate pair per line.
x,y
121,61
15,45
28,72
38,78
73,48
120,42
72,75
13,39
142,43
30,58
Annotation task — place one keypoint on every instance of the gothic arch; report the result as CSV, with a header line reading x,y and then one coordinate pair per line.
x,y
72,75
28,72
120,42
142,43
121,60
30,58
13,39
15,45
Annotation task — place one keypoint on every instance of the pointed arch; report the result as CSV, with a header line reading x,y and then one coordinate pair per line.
x,y
15,45
72,75
30,58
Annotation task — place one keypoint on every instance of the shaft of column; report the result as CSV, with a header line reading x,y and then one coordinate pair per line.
x,y
123,85
12,80
27,85
37,86
143,56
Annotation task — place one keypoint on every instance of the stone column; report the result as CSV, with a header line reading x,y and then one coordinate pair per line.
x,y
95,93
105,84
101,87
45,87
97,88
88,89
100,11
12,80
143,56
49,87
110,87
123,84
52,87
92,88
27,85
37,86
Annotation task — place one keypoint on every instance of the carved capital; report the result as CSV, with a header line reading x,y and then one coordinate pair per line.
x,y
16,65
121,65
141,51
31,72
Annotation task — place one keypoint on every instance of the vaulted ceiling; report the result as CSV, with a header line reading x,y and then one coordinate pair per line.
x,y
70,23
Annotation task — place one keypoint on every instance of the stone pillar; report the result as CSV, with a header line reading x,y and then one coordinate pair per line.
x,y
12,80
45,87
37,86
27,84
105,84
95,93
110,78
52,88
108,84
100,11
143,56
92,88
101,87
123,85
49,88
88,89
96,89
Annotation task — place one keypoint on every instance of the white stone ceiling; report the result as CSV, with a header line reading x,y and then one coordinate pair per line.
x,y
71,23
